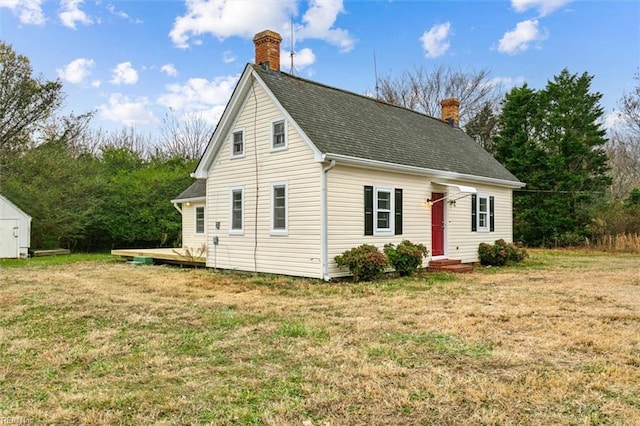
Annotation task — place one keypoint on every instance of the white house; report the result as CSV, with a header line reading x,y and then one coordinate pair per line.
x,y
15,230
297,172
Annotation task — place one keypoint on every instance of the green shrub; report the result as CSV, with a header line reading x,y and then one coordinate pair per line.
x,y
501,253
366,262
405,258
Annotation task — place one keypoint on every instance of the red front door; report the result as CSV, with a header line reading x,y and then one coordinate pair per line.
x,y
437,224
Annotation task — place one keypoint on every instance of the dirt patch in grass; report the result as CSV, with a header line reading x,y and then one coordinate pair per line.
x,y
554,341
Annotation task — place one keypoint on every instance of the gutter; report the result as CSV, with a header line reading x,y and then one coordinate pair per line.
x,y
325,222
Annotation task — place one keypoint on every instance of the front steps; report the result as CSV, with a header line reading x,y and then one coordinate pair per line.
x,y
449,265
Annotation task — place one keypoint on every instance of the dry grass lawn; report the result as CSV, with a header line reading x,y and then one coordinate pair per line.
x,y
554,341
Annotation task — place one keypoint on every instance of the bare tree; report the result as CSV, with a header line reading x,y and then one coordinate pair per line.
x,y
422,90
624,145
184,137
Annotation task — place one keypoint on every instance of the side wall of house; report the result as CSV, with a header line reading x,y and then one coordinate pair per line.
x,y
462,241
257,247
194,242
346,209
346,213
9,211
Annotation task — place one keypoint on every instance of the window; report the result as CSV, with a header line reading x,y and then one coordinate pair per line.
x,y
237,150
237,211
279,208
278,134
382,211
199,220
482,213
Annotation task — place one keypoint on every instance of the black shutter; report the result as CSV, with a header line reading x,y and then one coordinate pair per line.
x,y
398,207
368,210
491,216
474,206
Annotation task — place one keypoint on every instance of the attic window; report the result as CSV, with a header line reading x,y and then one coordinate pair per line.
x,y
278,134
237,149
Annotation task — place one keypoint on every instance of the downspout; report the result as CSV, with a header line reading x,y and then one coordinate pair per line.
x,y
177,208
325,222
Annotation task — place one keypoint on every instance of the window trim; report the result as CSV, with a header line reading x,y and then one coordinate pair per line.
x,y
487,212
390,230
232,190
233,133
285,230
272,135
204,220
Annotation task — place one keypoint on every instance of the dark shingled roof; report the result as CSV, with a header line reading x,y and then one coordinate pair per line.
x,y
196,190
344,123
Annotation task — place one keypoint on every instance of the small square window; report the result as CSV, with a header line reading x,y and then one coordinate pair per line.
x,y
279,135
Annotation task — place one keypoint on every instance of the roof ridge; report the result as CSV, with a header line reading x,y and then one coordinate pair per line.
x,y
348,92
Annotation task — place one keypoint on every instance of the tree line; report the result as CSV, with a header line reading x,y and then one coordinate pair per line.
x,y
89,189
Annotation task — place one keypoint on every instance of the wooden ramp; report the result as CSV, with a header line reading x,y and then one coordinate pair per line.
x,y
176,256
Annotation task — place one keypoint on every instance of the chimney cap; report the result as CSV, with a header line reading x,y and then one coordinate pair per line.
x,y
454,102
263,35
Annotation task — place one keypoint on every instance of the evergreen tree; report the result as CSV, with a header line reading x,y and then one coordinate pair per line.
x,y
482,127
552,140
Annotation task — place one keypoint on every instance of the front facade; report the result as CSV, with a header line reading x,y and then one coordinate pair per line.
x,y
15,230
297,172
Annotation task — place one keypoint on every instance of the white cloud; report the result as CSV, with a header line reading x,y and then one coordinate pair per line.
x,y
124,73
518,40
507,82
28,11
76,71
71,14
169,69
318,23
96,83
435,41
119,13
544,7
301,60
223,19
122,109
200,95
228,57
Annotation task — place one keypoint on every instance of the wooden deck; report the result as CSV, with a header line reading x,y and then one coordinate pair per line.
x,y
177,256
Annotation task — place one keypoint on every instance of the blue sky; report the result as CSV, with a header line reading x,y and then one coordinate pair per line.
x,y
130,61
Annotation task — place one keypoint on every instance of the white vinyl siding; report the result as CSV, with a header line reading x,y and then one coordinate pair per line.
x,y
300,252
346,207
190,238
461,242
278,134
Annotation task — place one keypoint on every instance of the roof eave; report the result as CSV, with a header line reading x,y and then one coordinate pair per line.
x,y
188,200
438,174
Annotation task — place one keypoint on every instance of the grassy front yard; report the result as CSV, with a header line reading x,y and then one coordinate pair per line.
x,y
555,341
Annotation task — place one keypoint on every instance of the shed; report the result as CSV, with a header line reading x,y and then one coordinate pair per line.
x,y
15,230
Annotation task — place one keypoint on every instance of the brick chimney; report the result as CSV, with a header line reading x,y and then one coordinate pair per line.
x,y
268,49
451,111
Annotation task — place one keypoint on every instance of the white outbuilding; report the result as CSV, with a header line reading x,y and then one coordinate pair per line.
x,y
15,230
